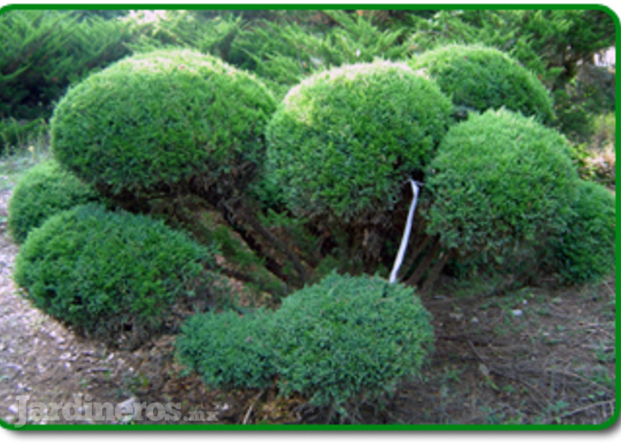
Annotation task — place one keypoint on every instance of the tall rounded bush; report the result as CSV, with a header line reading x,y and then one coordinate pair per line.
x,y
43,191
349,338
586,251
343,142
109,274
160,120
484,78
498,179
228,350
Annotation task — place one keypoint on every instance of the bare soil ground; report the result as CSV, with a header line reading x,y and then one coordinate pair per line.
x,y
536,355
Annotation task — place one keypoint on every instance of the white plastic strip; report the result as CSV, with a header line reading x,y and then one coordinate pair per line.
x,y
406,235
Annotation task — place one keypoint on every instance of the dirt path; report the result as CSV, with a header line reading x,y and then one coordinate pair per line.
x,y
39,357
45,361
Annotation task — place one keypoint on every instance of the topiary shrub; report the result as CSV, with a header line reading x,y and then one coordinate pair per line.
x,y
348,338
586,250
499,179
43,191
161,120
481,78
228,350
343,142
109,274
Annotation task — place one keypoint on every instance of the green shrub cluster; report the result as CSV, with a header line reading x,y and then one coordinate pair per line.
x,y
586,250
109,274
499,179
228,350
343,141
162,119
349,337
44,51
341,339
481,78
43,191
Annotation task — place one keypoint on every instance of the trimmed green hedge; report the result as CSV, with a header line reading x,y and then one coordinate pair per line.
x,y
498,179
342,340
343,141
228,350
161,120
586,251
109,274
349,338
482,78
43,191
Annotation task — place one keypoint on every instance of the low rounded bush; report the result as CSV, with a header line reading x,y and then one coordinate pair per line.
x,y
228,350
43,191
343,142
499,179
161,120
481,78
109,274
349,338
586,251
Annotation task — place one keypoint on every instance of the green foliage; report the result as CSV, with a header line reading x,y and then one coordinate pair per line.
x,y
242,259
228,349
109,274
483,78
280,47
18,134
43,52
586,250
582,99
43,191
349,338
499,179
556,45
344,140
163,118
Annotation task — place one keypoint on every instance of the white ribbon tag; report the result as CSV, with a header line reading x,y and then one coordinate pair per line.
x,y
406,235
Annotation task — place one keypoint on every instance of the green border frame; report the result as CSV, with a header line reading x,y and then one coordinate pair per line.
x,y
387,427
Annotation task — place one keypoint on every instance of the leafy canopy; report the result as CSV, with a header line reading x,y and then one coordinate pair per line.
x,y
499,178
163,118
343,141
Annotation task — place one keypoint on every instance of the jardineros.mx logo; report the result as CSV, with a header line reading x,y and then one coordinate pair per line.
x,y
84,409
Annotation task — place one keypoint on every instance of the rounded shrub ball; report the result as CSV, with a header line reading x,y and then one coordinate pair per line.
x,y
160,120
482,78
41,192
343,142
499,178
228,350
586,251
109,274
348,338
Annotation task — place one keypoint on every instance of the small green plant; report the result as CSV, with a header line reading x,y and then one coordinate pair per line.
x,y
499,180
19,134
41,192
481,78
343,141
585,252
228,349
161,121
109,274
349,338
